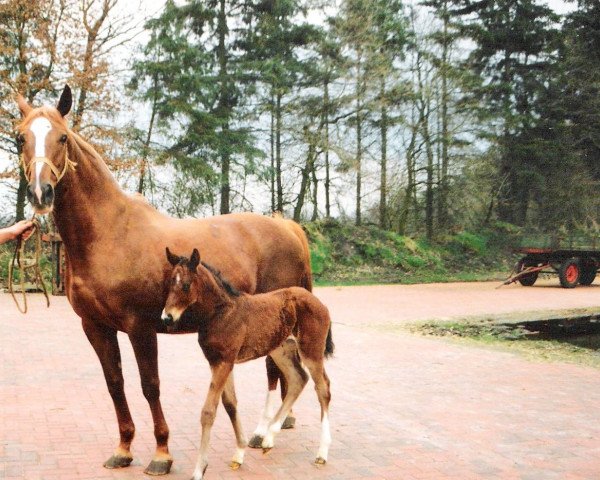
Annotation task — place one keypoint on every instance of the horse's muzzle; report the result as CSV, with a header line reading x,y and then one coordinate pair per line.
x,y
41,197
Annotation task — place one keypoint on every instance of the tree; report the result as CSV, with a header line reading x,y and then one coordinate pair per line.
x,y
515,41
194,58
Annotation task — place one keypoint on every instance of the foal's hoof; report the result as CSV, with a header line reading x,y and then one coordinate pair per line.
x,y
320,461
255,441
159,467
235,465
118,461
289,422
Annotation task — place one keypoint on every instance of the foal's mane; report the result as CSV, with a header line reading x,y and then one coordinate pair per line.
x,y
216,274
224,284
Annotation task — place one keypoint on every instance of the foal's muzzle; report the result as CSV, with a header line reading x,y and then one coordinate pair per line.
x,y
167,319
41,196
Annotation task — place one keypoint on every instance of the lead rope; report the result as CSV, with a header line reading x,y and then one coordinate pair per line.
x,y
19,262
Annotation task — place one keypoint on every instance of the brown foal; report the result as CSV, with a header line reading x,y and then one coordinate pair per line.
x,y
235,327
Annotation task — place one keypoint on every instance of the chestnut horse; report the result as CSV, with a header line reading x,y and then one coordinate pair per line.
x,y
234,327
114,248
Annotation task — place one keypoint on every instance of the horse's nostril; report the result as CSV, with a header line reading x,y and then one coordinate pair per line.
x,y
47,194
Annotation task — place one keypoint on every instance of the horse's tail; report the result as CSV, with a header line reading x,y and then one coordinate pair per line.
x,y
306,281
329,345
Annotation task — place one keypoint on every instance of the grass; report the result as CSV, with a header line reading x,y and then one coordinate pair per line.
x,y
344,254
579,349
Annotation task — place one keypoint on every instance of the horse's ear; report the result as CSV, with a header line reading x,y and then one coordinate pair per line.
x,y
65,102
173,259
24,107
194,260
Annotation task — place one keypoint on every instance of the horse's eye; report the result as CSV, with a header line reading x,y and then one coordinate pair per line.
x,y
20,139
62,139
185,287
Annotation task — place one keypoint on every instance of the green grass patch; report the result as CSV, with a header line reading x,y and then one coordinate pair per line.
x,y
344,254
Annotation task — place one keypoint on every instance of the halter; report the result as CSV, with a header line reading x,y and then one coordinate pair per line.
x,y
68,164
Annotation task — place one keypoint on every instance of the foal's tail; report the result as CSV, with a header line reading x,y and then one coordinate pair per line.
x,y
329,345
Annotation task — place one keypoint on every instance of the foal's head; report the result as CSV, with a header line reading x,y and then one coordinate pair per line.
x,y
184,288
42,136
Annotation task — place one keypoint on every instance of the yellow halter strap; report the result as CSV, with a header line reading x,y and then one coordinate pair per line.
x,y
68,164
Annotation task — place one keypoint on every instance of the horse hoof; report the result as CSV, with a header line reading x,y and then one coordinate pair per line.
x,y
289,422
235,465
255,441
320,461
159,467
118,461
266,450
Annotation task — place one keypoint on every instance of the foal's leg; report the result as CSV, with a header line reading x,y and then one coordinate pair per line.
x,y
104,341
322,387
220,373
287,359
146,354
230,403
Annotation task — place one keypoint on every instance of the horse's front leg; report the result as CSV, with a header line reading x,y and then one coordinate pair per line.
x,y
104,341
220,373
146,354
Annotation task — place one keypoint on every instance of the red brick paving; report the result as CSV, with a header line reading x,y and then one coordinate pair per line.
x,y
403,407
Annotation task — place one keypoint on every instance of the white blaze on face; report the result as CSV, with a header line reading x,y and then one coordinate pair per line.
x,y
40,128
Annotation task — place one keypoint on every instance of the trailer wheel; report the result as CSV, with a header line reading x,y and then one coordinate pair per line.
x,y
529,279
569,272
588,274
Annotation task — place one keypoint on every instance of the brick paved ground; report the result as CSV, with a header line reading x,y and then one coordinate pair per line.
x,y
403,407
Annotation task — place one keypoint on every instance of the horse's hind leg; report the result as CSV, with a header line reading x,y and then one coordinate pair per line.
x,y
220,373
146,354
322,387
287,359
104,341
230,403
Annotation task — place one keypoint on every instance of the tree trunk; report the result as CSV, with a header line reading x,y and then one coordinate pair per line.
x,y
443,180
146,151
224,108
21,195
278,152
326,125
358,142
309,165
272,153
383,164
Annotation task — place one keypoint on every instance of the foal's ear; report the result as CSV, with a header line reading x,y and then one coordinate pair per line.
x,y
194,260
24,107
65,102
173,259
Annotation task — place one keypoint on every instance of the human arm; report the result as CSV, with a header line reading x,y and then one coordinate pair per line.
x,y
12,232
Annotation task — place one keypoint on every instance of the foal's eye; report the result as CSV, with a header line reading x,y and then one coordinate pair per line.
x,y
62,139
20,139
185,287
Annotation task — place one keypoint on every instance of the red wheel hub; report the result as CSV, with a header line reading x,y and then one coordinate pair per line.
x,y
572,273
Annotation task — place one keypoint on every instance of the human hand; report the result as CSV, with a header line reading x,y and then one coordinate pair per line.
x,y
24,227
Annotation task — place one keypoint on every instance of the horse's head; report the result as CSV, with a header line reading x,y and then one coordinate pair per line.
x,y
183,284
43,136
